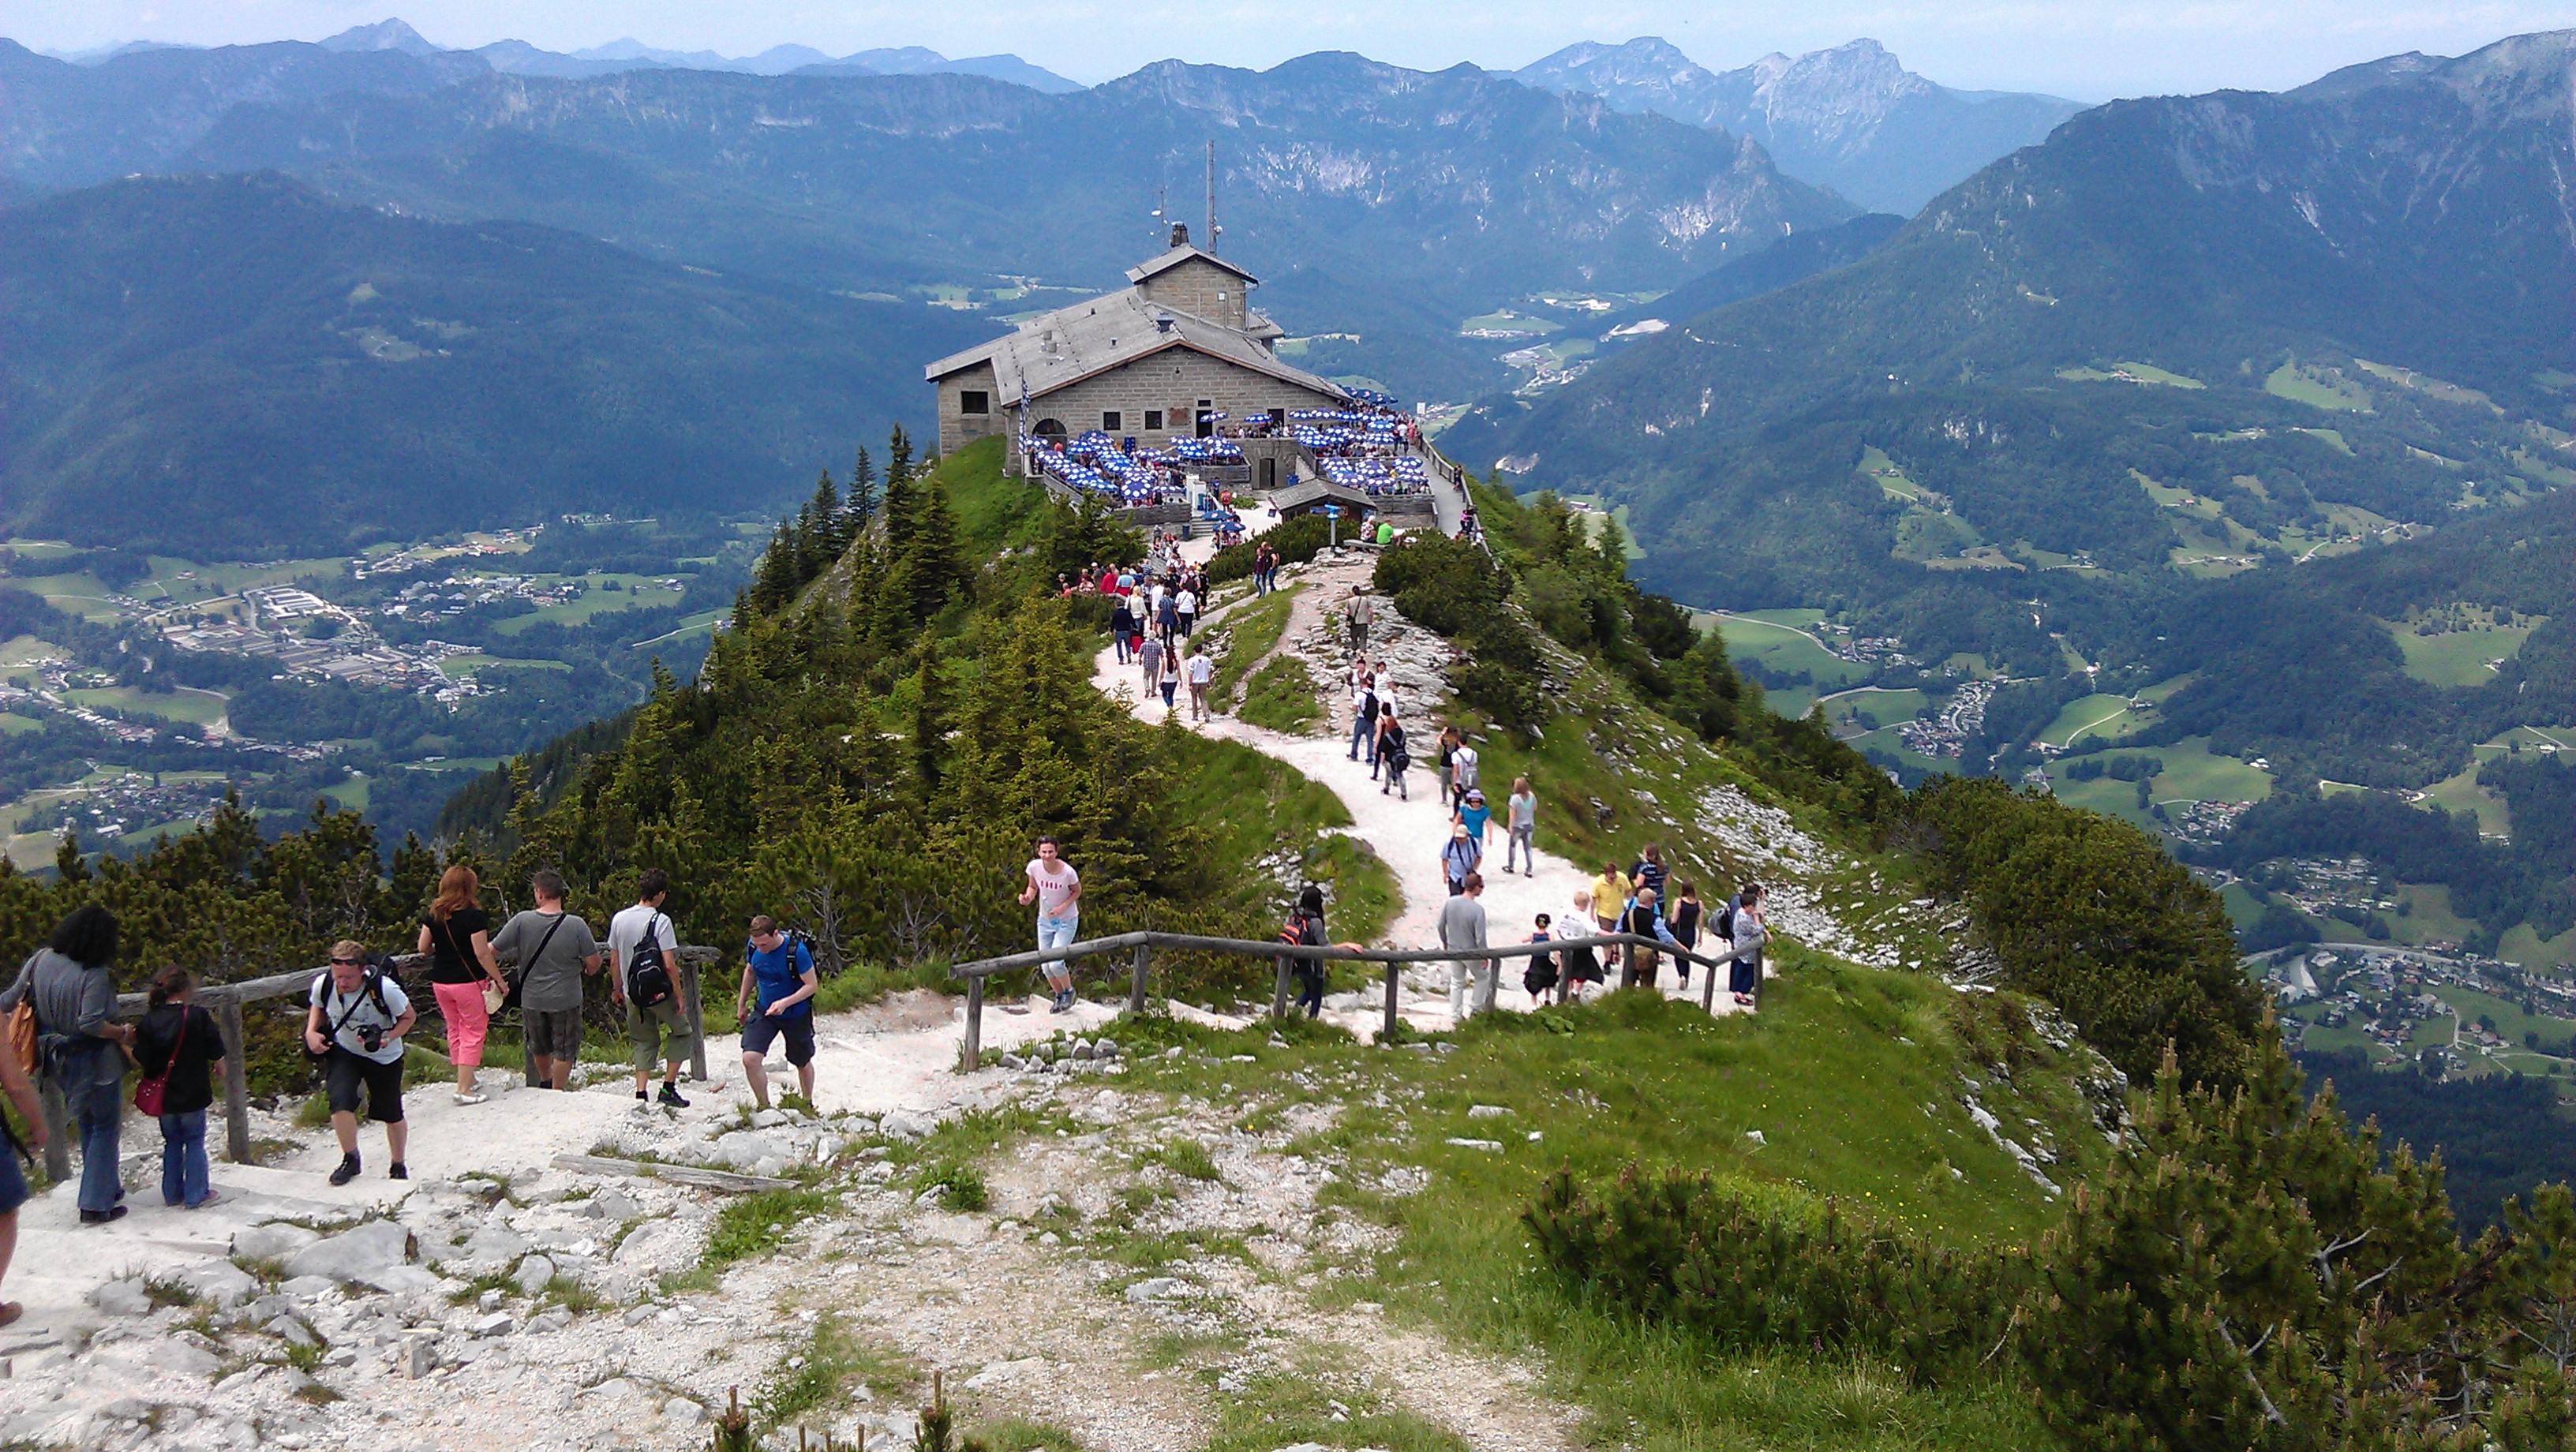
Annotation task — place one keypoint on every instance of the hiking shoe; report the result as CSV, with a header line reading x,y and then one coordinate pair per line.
x,y
101,1217
397,1172
471,1098
642,1096
348,1170
671,1095
1060,1003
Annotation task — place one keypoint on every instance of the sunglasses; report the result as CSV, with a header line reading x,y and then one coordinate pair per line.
x,y
348,962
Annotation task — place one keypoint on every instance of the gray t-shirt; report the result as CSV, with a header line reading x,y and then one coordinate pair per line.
x,y
1462,923
1524,810
554,981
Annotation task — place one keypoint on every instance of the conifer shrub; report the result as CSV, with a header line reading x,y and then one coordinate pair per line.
x,y
1297,541
1752,1269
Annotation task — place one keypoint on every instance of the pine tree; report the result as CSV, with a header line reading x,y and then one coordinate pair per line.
x,y
929,719
862,506
929,566
898,507
824,537
773,584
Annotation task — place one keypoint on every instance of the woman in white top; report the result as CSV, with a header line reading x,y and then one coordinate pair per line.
x,y
1057,890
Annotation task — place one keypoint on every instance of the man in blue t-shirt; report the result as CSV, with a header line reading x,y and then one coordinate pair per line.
x,y
776,1001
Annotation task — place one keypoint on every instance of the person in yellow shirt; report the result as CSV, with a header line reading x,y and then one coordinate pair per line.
x,y
1609,896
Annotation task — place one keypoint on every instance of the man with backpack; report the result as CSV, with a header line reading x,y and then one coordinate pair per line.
x,y
1364,719
355,1019
553,949
776,1001
644,977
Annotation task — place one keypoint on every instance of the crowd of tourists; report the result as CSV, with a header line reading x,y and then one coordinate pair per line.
x,y
1642,900
63,1025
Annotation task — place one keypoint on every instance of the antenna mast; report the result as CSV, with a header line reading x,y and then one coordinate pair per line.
x,y
1211,198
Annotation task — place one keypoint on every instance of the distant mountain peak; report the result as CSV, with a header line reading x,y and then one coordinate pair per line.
x,y
385,34
1850,116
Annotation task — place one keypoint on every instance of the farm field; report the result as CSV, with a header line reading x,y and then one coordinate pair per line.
x,y
2462,793
2523,945
2100,714
1886,706
2302,385
2127,372
2191,774
185,704
633,592
2459,658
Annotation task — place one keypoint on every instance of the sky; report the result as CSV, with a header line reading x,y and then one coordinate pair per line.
x,y
2087,50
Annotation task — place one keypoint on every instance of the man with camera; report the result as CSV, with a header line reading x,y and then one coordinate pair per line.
x,y
356,1020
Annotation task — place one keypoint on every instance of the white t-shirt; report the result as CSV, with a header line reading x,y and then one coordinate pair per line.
x,y
355,1013
1055,890
1201,669
1187,603
626,933
1462,766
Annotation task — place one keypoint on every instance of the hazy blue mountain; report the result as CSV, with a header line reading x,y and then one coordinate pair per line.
x,y
1851,118
235,365
518,58
1462,186
2297,290
385,34
66,125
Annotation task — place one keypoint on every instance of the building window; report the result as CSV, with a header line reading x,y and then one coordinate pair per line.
x,y
1279,417
974,400
1153,420
1111,421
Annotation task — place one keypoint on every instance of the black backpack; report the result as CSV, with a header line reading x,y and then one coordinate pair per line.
x,y
648,972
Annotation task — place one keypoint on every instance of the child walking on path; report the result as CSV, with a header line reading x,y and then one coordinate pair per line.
x,y
179,1045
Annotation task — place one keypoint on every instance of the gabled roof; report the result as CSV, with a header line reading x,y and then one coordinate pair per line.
x,y
1068,345
1179,255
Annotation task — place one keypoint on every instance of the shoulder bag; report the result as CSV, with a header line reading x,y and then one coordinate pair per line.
x,y
152,1090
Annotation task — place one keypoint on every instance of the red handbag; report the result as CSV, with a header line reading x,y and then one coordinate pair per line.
x,y
150,1091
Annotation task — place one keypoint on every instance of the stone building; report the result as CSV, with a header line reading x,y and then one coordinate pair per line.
x,y
1170,357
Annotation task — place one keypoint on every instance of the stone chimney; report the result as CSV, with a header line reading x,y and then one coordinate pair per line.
x,y
1180,234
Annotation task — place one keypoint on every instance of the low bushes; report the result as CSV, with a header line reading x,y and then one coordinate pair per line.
x,y
1752,1268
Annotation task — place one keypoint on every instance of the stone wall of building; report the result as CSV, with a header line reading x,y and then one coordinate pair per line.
x,y
1175,384
1199,288
957,427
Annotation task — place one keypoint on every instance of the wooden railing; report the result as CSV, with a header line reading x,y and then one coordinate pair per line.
x,y
971,1053
225,1000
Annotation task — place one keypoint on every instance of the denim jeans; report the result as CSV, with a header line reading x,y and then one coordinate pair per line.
x,y
1363,733
99,1107
183,1159
1055,933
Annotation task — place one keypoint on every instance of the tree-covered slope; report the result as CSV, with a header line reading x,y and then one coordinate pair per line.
x,y
236,365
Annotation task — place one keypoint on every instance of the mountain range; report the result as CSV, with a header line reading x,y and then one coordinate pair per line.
x,y
1850,118
2181,341
236,366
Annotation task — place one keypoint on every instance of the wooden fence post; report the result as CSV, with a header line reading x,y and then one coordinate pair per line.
x,y
1279,992
1394,971
1136,985
228,1017
693,1003
1708,991
971,1056
58,1145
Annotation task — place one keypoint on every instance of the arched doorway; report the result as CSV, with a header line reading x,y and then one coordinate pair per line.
x,y
1050,428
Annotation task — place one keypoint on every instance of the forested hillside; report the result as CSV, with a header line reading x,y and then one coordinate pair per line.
x,y
237,366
